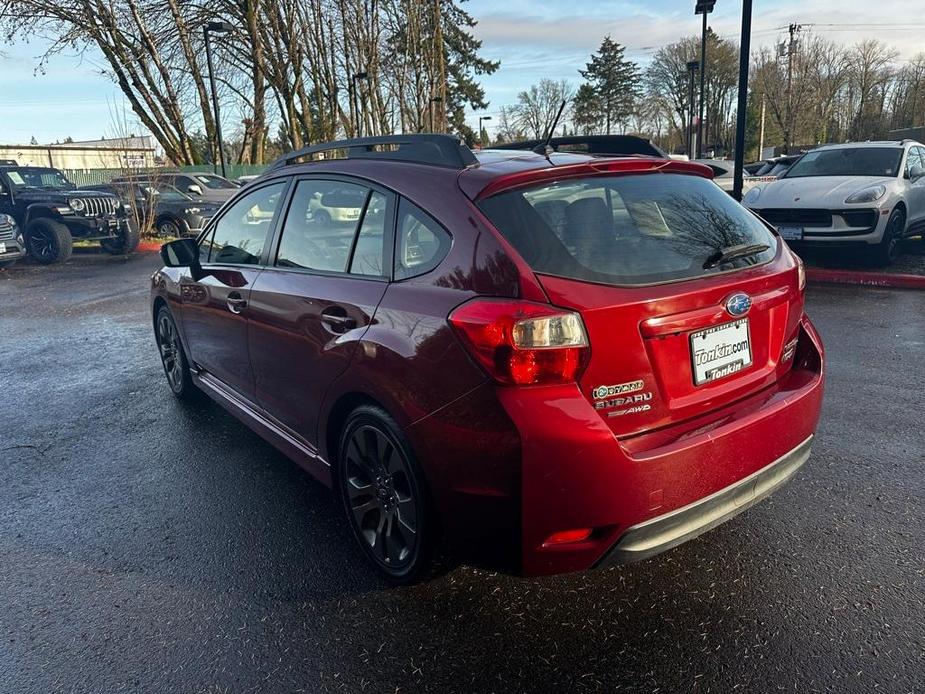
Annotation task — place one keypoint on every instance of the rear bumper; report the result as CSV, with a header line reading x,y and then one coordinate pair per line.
x,y
577,476
510,467
672,529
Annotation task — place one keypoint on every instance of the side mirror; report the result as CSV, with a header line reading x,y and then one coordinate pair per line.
x,y
181,253
916,172
195,189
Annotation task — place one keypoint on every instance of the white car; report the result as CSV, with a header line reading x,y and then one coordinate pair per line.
x,y
723,175
864,195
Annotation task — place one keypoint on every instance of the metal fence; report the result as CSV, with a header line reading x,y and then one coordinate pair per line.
x,y
88,177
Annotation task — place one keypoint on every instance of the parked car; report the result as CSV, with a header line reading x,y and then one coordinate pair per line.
x,y
530,396
51,213
168,211
12,243
723,175
204,187
863,195
777,166
242,181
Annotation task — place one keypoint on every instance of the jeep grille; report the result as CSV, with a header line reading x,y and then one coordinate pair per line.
x,y
94,207
6,231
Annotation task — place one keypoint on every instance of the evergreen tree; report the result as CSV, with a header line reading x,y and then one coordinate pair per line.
x,y
463,64
587,115
615,80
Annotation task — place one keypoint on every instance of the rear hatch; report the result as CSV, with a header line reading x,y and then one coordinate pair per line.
x,y
675,329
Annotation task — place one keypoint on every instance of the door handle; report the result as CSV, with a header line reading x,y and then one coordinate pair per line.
x,y
236,302
337,318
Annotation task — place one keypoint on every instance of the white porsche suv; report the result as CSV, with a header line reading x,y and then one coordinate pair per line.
x,y
864,195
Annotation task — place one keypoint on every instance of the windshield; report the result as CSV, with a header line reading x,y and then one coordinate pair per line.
x,y
628,229
848,161
38,177
214,182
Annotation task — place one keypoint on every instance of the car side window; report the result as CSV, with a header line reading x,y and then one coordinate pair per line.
x,y
239,237
321,225
421,242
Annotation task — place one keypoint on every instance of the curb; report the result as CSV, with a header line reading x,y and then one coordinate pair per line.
x,y
148,247
891,280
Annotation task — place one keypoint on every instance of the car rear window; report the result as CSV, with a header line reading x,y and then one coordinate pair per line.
x,y
638,229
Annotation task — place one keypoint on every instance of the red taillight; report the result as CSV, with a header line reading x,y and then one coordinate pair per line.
x,y
523,343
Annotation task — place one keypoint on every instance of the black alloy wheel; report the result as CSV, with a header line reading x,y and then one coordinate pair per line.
x,y
888,248
48,241
172,356
384,495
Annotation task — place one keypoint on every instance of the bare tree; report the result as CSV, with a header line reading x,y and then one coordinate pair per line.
x,y
537,107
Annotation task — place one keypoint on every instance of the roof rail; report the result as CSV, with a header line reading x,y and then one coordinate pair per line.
x,y
595,145
421,148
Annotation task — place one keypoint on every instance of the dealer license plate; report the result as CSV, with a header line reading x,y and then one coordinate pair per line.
x,y
720,351
790,233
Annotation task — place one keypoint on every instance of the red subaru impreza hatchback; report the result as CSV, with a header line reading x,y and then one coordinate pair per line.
x,y
540,363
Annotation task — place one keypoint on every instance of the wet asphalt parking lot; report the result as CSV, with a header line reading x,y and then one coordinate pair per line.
x,y
149,547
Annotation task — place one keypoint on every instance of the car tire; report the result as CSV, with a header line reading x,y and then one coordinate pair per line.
x,y
168,227
126,242
48,241
173,357
322,217
888,249
385,498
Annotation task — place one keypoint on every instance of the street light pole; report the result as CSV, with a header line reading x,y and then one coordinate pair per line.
x,y
703,7
744,54
692,68
216,28
482,118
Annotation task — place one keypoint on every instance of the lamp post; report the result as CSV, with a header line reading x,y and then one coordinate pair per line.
x,y
215,28
703,7
356,96
482,118
692,67
745,48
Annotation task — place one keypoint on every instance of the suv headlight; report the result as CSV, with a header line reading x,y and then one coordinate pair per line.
x,y
191,210
867,194
752,195
6,220
76,204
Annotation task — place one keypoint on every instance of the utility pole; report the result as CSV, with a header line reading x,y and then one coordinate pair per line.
x,y
744,55
791,49
215,28
761,128
441,67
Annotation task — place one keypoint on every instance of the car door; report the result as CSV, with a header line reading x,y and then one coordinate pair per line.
x,y
915,192
318,295
215,301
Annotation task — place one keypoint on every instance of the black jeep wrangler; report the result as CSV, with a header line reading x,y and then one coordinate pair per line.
x,y
51,213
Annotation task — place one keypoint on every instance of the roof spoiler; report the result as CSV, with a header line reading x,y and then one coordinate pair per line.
x,y
595,145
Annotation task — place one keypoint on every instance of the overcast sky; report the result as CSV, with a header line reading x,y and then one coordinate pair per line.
x,y
532,40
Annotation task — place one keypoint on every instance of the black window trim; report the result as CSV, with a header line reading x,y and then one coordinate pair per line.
x,y
271,231
389,241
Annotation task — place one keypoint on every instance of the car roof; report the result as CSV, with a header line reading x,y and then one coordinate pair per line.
x,y
420,166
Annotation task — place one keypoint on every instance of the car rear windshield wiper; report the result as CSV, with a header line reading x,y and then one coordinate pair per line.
x,y
725,255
